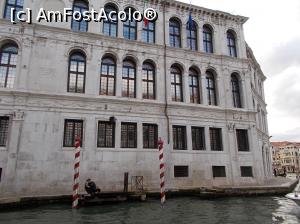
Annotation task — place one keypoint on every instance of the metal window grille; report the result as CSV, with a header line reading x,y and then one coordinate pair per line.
x,y
242,140
150,136
179,138
128,135
246,171
198,138
181,171
219,171
4,124
106,134
216,139
72,130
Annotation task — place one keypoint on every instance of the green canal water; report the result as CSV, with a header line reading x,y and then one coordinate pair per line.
x,y
258,210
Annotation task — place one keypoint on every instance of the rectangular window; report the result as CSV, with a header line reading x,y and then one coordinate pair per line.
x,y
181,171
16,4
216,139
150,136
72,130
128,135
198,138
242,140
246,171
4,123
0,174
219,171
106,134
179,138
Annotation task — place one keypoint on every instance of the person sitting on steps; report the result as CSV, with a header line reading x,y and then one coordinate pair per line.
x,y
92,189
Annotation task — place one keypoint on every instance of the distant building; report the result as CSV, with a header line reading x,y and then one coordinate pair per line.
x,y
119,86
286,155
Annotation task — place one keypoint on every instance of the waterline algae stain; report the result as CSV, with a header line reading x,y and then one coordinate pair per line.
x,y
260,210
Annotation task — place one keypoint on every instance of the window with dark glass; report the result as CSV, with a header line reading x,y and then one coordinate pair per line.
x,y
176,84
4,124
231,44
150,136
8,65
181,171
191,31
80,6
236,95
148,34
148,81
194,86
198,138
16,4
246,171
129,79
106,134
128,135
211,89
179,138
219,171
73,130
216,139
175,33
208,39
110,27
0,173
77,70
108,76
242,140
130,27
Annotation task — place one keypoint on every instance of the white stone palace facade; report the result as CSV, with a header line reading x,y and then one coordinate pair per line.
x,y
121,86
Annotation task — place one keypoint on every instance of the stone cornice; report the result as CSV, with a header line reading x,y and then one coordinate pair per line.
x,y
117,100
253,60
201,10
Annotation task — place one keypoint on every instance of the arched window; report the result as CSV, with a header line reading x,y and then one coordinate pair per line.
x,y
130,26
231,44
175,33
191,31
129,79
208,39
110,27
148,81
176,84
194,86
80,6
211,88
8,65
108,76
77,72
236,94
148,35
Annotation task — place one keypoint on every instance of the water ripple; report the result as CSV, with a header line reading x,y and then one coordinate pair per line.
x,y
258,210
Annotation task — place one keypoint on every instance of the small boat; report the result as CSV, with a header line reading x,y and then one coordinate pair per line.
x,y
294,196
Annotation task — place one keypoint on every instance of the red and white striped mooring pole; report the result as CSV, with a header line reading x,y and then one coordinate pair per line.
x,y
162,172
76,173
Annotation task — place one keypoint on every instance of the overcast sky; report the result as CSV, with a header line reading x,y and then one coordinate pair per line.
x,y
273,32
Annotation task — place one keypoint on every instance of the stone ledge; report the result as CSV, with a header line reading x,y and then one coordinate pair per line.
x,y
205,193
